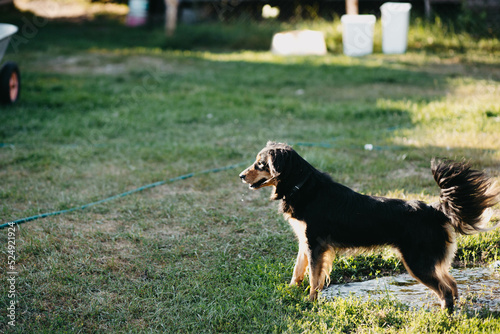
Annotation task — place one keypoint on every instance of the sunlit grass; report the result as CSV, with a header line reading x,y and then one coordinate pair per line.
x,y
106,109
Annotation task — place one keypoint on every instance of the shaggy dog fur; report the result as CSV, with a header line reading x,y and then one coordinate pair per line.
x,y
327,216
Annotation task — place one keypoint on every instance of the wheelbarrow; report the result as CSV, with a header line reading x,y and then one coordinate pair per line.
x,y
10,77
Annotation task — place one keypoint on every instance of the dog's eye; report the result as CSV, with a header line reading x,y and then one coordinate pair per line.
x,y
261,165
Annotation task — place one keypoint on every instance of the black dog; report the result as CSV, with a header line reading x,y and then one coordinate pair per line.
x,y
327,216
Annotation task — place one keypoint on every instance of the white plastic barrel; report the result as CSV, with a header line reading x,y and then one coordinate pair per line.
x,y
138,12
395,23
357,34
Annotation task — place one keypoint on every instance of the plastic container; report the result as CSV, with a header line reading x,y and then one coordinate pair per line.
x,y
299,43
357,34
395,23
138,12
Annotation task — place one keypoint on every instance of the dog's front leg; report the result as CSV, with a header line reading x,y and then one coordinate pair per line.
x,y
316,277
299,227
300,266
320,265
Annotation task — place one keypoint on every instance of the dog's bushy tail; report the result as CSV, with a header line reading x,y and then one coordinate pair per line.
x,y
466,195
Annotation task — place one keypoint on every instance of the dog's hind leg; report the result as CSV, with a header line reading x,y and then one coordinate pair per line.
x,y
445,288
448,286
436,278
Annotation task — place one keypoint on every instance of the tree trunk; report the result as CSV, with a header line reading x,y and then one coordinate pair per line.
x,y
351,7
171,16
427,5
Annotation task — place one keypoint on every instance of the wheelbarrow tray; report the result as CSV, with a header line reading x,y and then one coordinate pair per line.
x,y
6,31
10,79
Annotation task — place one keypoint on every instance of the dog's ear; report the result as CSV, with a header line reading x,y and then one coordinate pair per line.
x,y
278,157
273,163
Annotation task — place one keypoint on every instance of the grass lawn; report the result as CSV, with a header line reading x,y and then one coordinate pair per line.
x,y
105,109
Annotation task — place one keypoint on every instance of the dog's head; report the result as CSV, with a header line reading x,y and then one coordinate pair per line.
x,y
272,167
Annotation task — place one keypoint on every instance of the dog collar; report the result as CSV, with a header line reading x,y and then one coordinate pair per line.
x,y
298,186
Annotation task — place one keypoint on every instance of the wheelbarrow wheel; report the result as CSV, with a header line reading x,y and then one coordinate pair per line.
x,y
10,83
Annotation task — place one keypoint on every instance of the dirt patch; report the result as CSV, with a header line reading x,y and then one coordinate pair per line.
x,y
106,64
104,223
79,9
423,173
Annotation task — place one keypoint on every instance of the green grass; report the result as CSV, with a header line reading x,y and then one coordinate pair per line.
x,y
106,109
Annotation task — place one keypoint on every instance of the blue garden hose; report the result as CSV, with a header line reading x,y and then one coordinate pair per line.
x,y
152,185
368,147
133,191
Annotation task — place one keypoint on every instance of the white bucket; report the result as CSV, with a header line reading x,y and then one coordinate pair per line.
x,y
395,23
357,34
299,43
138,12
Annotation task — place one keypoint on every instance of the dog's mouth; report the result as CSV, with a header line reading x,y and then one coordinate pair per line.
x,y
258,184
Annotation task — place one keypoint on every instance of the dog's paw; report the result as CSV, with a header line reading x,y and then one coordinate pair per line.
x,y
313,295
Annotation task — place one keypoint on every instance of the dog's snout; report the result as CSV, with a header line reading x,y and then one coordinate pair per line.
x,y
242,176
